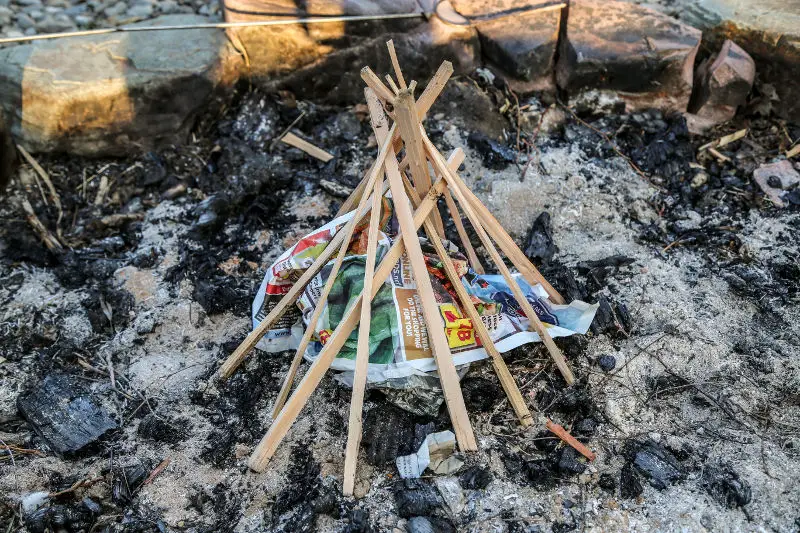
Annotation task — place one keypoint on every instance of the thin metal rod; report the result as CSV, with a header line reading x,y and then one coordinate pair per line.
x,y
212,25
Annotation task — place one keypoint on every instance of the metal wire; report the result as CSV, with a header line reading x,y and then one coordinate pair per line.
x,y
212,25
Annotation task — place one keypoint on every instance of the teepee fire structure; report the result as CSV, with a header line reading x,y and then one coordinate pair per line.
x,y
415,194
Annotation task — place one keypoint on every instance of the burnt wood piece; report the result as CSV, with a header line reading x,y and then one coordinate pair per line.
x,y
64,415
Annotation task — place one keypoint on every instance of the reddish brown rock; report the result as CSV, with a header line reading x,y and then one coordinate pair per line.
x,y
769,30
643,56
519,38
722,83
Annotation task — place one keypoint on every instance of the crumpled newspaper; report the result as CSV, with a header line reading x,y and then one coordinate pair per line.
x,y
436,453
398,341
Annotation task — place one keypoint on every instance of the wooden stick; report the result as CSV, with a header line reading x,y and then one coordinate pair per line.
x,y
280,426
326,290
409,126
48,238
362,349
374,83
537,325
564,435
236,358
314,151
424,103
362,352
381,129
430,309
434,89
50,188
392,84
462,233
396,64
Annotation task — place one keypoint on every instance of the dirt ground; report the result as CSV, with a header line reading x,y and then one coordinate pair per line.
x,y
696,421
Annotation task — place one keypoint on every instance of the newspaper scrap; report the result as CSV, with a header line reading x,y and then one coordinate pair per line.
x,y
436,453
398,340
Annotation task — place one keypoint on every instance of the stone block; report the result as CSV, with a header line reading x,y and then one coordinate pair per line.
x,y
117,93
520,39
644,56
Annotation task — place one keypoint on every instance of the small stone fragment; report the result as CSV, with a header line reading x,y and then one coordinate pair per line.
x,y
64,414
722,83
775,179
429,524
451,493
335,189
607,363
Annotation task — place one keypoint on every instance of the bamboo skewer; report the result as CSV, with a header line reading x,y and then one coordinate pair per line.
x,y
537,325
462,233
301,144
396,64
354,425
430,310
362,351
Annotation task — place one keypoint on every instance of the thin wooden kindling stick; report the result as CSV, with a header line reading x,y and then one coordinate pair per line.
x,y
430,310
362,349
456,186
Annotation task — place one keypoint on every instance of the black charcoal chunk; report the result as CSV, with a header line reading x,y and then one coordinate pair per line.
x,y
725,486
657,464
629,484
64,415
541,247
414,497
476,477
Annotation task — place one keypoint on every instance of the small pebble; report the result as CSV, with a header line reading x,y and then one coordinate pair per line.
x,y
607,363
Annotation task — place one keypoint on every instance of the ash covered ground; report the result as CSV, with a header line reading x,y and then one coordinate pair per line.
x,y
688,382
